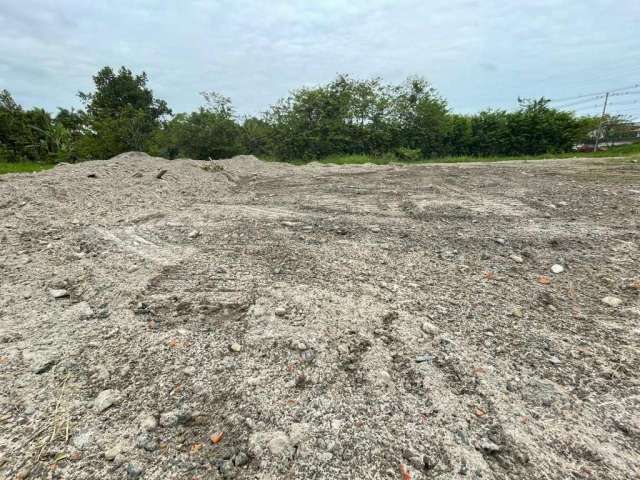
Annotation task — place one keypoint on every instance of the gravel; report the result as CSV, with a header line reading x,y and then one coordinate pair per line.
x,y
426,343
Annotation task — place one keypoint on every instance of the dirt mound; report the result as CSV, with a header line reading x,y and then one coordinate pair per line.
x,y
246,319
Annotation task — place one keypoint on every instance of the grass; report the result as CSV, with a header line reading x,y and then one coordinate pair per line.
x,y
24,167
632,150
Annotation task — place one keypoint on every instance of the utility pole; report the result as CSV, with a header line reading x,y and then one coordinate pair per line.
x,y
604,110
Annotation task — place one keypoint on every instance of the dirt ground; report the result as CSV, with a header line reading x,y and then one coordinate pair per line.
x,y
266,321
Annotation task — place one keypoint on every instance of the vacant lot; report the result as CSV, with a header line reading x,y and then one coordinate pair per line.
x,y
255,320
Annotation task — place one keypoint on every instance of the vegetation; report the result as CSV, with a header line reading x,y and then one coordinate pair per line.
x,y
344,121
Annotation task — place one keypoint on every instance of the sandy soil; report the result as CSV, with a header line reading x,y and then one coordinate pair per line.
x,y
259,320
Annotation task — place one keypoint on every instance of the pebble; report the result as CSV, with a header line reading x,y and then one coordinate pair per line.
x,y
23,473
516,258
235,347
279,443
424,358
58,293
501,241
194,234
149,423
612,301
147,442
175,417
134,471
557,268
430,328
301,346
555,360
82,440
240,459
489,446
112,452
280,311
190,371
106,399
517,312
43,363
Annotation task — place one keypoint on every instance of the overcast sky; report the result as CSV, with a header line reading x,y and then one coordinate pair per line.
x,y
476,53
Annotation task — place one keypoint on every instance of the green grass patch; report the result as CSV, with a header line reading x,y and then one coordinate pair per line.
x,y
24,167
624,151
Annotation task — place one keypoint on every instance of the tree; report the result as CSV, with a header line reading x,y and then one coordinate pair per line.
x,y
122,114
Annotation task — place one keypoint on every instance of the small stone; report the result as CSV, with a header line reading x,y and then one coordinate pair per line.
x,y
23,473
489,446
175,417
516,258
517,311
106,399
501,241
112,452
555,360
424,359
147,442
301,346
161,173
612,301
382,377
280,311
82,440
43,362
240,459
134,471
194,234
557,268
375,229
226,469
58,293
429,328
190,371
279,443
235,347
149,423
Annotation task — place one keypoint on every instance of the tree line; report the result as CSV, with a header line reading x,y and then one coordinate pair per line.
x,y
410,121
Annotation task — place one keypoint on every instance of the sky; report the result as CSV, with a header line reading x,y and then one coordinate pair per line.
x,y
477,54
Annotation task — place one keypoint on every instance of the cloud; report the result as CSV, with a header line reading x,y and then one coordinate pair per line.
x,y
477,54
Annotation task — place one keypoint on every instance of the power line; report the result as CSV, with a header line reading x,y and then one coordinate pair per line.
x,y
594,95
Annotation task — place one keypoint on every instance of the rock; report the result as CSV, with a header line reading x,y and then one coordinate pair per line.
x,y
175,417
375,229
612,301
489,446
424,359
501,241
147,442
43,362
111,453
226,469
161,173
106,399
148,423
240,459
58,293
429,328
134,471
189,371
517,311
235,347
557,268
280,311
194,234
277,443
298,433
516,258
82,440
555,360
301,346
23,473
83,310
382,377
